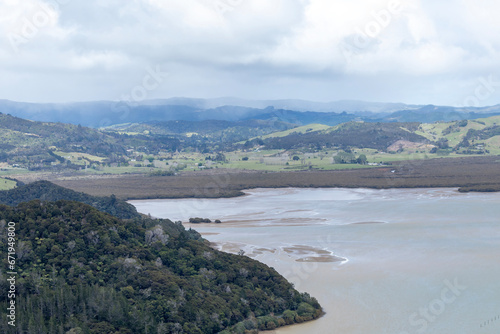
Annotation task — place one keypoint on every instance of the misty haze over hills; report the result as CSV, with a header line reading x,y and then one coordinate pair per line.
x,y
105,113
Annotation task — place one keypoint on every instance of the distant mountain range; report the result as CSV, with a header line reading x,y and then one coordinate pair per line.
x,y
299,112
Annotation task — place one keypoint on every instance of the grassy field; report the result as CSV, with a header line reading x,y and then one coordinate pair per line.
x,y
118,170
434,131
13,171
281,160
300,129
78,158
292,166
7,184
255,160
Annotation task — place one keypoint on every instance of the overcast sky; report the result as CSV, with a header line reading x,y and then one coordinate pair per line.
x,y
416,51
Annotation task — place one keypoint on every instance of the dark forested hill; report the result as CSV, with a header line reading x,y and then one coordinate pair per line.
x,y
40,145
207,127
306,117
32,144
207,131
39,135
84,271
47,191
431,114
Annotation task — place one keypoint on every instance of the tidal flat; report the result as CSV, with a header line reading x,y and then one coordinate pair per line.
x,y
398,261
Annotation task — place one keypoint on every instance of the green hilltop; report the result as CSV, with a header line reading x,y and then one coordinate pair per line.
x,y
464,136
49,192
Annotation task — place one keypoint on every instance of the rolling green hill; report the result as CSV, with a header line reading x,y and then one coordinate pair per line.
x,y
208,131
30,143
483,133
301,129
464,136
39,145
34,145
353,134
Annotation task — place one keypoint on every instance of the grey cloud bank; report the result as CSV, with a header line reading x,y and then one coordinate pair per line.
x,y
418,52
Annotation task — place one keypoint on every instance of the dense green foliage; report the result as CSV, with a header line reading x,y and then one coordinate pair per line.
x,y
30,143
199,220
207,135
483,134
455,127
23,139
212,128
84,271
47,191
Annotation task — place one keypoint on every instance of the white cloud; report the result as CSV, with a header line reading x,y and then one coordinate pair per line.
x,y
314,49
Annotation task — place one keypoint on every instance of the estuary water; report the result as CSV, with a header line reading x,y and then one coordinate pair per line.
x,y
398,261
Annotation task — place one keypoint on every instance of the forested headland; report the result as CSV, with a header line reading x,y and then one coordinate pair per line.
x,y
47,191
84,271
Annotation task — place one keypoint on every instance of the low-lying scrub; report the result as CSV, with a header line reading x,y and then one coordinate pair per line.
x,y
478,172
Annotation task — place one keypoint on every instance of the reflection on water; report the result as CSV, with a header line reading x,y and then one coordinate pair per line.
x,y
417,261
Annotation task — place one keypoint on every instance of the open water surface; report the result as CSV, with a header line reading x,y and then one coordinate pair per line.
x,y
398,261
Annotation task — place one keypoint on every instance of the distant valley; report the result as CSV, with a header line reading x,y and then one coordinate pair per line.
x,y
242,138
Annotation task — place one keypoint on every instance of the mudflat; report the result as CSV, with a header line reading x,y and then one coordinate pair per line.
x,y
422,261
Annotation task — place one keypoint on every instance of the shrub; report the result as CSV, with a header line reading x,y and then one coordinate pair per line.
x,y
199,220
305,309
